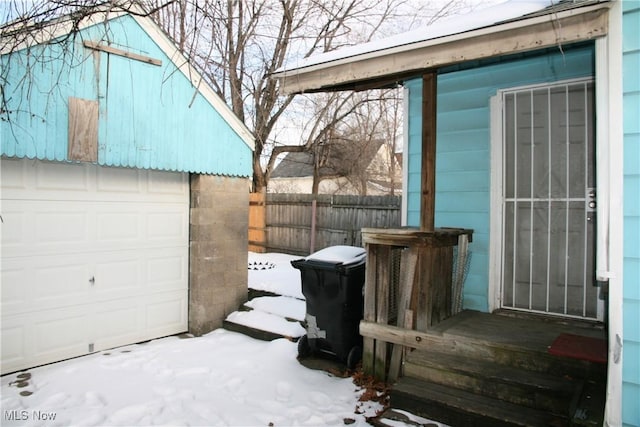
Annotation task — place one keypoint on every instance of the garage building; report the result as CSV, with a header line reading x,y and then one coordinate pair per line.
x,y
125,185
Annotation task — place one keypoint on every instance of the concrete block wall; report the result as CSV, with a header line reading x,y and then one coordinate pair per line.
x,y
219,221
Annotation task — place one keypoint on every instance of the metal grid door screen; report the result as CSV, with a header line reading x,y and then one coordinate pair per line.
x,y
549,200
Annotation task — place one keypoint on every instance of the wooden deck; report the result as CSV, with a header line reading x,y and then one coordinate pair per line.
x,y
466,368
527,331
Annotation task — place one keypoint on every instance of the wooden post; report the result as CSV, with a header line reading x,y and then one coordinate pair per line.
x,y
458,277
314,214
423,304
383,278
428,182
370,294
405,315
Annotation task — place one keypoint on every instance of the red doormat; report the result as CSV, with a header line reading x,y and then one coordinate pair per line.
x,y
580,347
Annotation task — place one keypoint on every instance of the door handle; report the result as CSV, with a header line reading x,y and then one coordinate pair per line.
x,y
591,199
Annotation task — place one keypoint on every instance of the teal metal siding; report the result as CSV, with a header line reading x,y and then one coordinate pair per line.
x,y
29,127
463,150
631,250
150,116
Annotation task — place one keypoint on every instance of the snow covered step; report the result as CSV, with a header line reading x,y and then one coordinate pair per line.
x,y
272,272
265,326
287,307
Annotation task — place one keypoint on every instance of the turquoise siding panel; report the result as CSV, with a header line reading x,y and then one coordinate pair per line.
x,y
631,115
469,120
630,317
463,151
631,233
631,22
477,180
631,195
631,269
468,99
631,382
630,408
632,153
631,65
462,202
472,160
30,126
463,140
631,251
151,116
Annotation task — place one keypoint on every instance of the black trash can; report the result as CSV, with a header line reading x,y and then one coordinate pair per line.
x,y
332,281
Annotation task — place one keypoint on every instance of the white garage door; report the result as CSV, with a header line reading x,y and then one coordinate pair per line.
x,y
92,258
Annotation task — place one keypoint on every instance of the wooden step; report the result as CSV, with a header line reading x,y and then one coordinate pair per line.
x,y
589,408
532,389
510,354
391,417
462,408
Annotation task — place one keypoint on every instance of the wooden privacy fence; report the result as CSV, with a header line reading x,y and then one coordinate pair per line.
x,y
283,222
257,222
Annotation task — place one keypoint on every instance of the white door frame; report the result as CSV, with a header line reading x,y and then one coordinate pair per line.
x,y
495,205
609,113
496,190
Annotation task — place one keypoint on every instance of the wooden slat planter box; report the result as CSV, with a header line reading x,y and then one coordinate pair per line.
x,y
421,298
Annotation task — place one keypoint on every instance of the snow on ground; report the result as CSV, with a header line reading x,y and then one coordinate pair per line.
x,y
220,379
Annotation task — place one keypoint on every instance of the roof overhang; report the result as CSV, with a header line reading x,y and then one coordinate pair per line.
x,y
388,67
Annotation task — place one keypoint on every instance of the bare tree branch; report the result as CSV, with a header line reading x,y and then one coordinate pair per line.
x,y
237,45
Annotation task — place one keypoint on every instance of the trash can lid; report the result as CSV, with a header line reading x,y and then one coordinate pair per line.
x,y
339,254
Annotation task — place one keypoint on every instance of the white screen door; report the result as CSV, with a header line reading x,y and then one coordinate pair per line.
x,y
548,200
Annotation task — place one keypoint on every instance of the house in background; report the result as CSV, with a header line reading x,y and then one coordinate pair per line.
x,y
344,168
125,183
523,125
